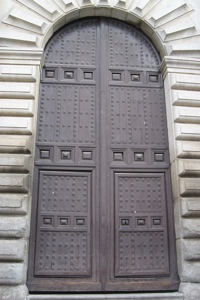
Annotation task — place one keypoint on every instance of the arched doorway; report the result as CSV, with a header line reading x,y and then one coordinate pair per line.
x,y
102,212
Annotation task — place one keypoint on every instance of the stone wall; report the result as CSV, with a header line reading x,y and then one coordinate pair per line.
x,y
26,26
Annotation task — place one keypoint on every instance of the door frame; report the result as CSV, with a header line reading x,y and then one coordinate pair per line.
x,y
95,286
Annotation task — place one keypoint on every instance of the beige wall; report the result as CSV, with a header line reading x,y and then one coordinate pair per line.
x,y
26,26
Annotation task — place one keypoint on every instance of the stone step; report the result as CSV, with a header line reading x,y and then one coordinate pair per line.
x,y
135,296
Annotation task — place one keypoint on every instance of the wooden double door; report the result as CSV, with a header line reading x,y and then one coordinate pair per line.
x,y
102,217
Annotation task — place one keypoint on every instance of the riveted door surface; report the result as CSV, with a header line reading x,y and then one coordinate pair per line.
x,y
102,208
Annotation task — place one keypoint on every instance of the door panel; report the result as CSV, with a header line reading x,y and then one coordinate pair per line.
x,y
101,214
140,225
63,238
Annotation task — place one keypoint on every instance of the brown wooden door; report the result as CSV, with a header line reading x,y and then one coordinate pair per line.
x,y
102,211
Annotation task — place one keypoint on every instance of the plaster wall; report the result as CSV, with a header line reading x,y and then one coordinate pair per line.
x,y
25,27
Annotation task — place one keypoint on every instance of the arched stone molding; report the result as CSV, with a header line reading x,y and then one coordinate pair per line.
x,y
26,26
30,23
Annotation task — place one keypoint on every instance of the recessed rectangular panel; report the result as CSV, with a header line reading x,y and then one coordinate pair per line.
x,y
49,73
135,77
116,76
45,154
64,250
140,249
69,74
88,75
69,114
135,116
141,254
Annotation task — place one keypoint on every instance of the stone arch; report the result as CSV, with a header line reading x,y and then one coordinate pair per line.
x,y
32,23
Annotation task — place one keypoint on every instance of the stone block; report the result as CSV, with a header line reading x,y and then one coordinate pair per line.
x,y
180,30
116,14
189,168
86,3
13,292
12,274
14,227
141,8
11,107
45,8
190,207
189,187
190,271
191,291
15,144
185,82
188,149
13,204
18,73
102,11
187,115
10,38
122,4
191,228
168,13
185,49
13,183
15,163
17,90
190,132
191,249
67,6
102,3
88,12
25,19
12,250
186,98
16,125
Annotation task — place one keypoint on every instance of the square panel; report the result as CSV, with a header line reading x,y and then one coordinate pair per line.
x,y
66,154
47,221
159,156
141,222
157,222
139,156
135,77
44,154
153,78
69,74
64,221
116,76
87,155
88,75
118,156
80,222
49,73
